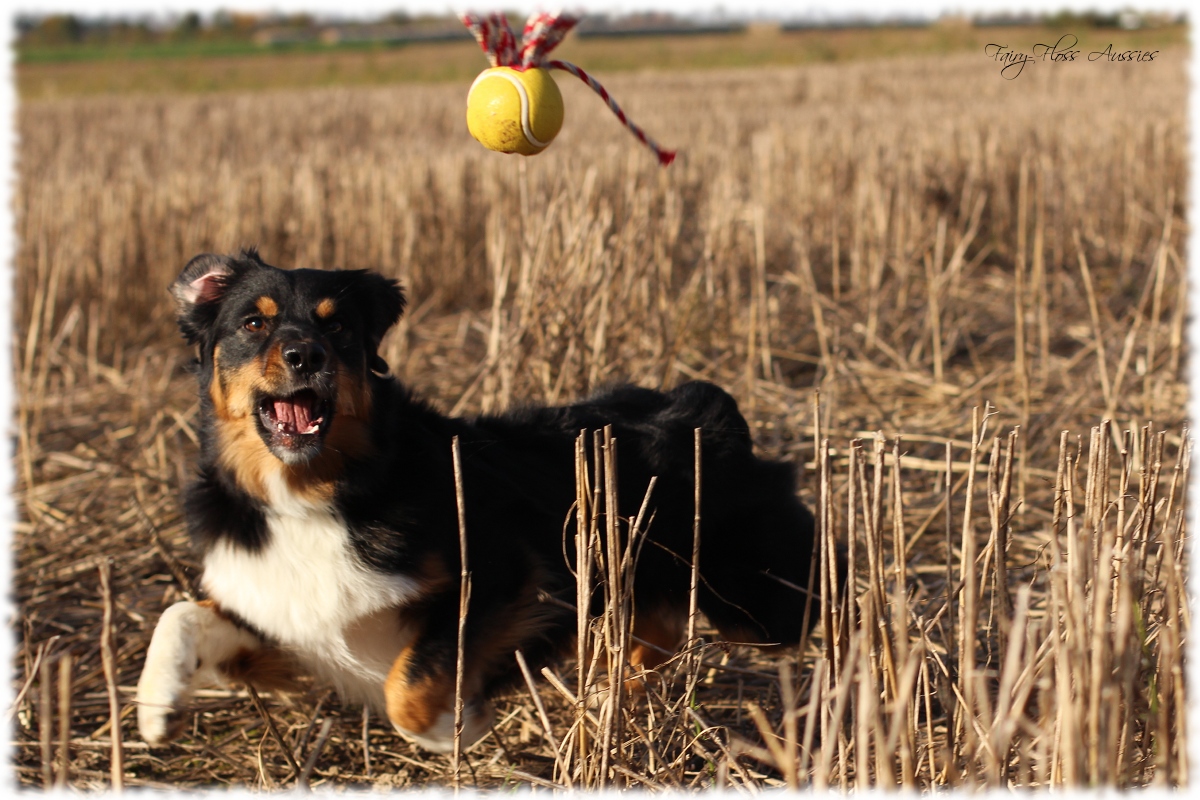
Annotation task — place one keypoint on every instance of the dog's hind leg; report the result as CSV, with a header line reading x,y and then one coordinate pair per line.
x,y
657,634
419,691
195,645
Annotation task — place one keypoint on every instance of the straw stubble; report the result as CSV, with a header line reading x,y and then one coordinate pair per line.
x,y
941,262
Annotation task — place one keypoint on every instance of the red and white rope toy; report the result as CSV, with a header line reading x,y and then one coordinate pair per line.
x,y
542,34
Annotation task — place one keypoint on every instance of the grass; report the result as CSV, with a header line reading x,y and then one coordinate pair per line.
x,y
197,67
981,281
154,51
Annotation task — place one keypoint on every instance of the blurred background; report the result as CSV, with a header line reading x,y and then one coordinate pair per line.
x,y
189,51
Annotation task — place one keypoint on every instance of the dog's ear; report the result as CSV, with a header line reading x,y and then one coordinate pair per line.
x,y
198,291
382,302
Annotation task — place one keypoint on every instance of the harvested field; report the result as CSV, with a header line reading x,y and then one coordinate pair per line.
x,y
942,256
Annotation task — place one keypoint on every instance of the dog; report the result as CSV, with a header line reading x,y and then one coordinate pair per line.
x,y
326,513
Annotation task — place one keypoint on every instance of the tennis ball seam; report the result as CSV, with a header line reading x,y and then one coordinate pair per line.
x,y
526,127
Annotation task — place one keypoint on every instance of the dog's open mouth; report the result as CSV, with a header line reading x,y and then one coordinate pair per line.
x,y
295,421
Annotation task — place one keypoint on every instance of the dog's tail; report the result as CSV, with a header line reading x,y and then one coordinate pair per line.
x,y
761,573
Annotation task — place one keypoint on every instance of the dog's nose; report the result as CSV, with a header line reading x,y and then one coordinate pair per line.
x,y
304,357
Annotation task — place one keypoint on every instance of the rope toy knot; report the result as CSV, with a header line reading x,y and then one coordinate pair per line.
x,y
543,32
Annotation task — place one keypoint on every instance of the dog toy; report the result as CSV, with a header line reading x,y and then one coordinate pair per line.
x,y
515,106
513,111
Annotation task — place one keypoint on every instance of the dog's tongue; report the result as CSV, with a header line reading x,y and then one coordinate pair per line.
x,y
295,415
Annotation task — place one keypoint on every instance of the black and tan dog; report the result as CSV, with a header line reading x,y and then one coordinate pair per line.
x,y
325,511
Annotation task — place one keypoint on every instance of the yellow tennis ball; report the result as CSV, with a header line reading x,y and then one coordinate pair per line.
x,y
513,111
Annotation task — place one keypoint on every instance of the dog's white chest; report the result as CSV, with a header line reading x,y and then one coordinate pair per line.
x,y
307,589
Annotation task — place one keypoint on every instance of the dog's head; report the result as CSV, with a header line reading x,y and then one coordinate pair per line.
x,y
285,355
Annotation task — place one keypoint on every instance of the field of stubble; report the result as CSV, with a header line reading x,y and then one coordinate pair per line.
x,y
957,300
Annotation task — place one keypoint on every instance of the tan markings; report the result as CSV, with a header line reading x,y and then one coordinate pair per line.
x,y
273,368
326,307
242,450
268,668
267,306
243,453
660,633
212,606
232,390
215,390
415,705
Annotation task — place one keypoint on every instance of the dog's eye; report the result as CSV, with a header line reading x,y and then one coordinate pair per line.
x,y
333,326
254,324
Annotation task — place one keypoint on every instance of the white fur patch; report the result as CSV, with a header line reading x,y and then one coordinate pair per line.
x,y
439,737
308,590
189,642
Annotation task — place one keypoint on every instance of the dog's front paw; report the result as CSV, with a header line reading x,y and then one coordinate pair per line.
x,y
160,724
162,699
171,663
192,647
